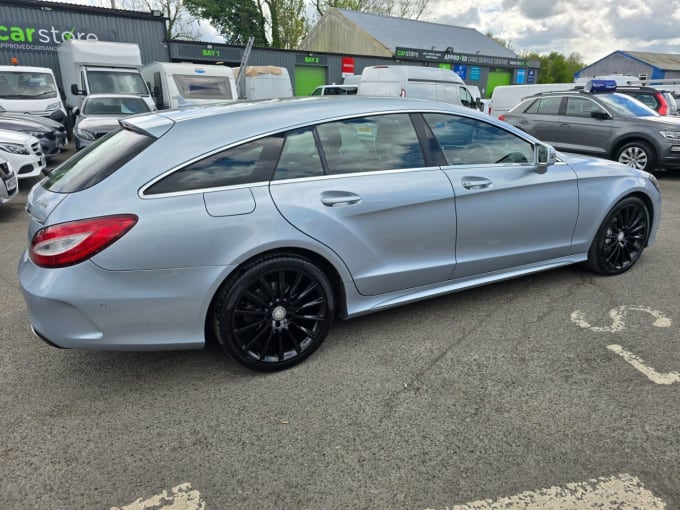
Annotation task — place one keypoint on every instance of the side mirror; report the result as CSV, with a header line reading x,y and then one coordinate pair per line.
x,y
544,156
76,111
600,115
74,90
479,104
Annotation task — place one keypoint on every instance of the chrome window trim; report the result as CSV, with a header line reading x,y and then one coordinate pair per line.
x,y
141,191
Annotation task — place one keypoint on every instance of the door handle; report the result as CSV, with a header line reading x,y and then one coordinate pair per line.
x,y
339,198
564,124
475,183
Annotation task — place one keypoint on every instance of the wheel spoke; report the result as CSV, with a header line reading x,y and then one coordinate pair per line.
x,y
294,341
255,298
318,301
264,284
257,337
282,284
238,331
309,289
239,311
304,330
265,347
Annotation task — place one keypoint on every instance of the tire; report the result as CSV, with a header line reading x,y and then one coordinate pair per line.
x,y
639,155
621,238
275,313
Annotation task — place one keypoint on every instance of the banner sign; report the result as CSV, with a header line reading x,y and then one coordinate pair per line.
x,y
463,58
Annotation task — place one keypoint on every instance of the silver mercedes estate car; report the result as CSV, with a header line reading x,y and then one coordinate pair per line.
x,y
260,223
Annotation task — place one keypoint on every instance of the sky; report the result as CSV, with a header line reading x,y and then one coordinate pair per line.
x,y
591,28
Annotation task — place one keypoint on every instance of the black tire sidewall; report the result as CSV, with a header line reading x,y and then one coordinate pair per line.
x,y
596,260
231,295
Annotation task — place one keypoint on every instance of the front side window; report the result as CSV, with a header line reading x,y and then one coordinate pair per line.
x,y
582,107
248,163
545,106
466,141
367,144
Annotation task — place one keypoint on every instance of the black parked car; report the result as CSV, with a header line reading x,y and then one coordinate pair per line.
x,y
46,135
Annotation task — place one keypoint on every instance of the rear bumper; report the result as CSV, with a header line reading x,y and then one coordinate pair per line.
x,y
86,307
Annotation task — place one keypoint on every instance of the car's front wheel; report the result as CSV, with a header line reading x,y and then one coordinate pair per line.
x,y
621,238
275,313
639,155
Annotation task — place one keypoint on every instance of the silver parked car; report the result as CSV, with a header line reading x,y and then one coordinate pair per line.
x,y
99,114
259,223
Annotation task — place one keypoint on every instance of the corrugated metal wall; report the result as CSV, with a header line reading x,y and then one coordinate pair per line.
x,y
617,63
147,31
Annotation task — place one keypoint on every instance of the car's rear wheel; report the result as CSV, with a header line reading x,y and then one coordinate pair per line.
x,y
275,313
621,238
639,155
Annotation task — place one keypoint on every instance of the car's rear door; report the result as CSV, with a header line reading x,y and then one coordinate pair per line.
x,y
388,215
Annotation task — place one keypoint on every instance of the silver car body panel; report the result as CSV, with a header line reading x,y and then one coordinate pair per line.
x,y
390,237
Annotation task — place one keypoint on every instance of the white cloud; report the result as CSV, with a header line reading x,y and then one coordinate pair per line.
x,y
592,28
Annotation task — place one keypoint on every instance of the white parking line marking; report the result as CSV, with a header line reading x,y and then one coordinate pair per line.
x,y
622,492
638,363
618,316
182,497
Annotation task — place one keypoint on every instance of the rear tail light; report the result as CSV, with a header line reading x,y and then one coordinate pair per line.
x,y
70,243
500,117
663,104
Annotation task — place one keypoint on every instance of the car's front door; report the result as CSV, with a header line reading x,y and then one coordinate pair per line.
x,y
507,214
379,207
580,131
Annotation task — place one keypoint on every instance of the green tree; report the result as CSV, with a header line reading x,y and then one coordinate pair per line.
x,y
412,9
555,67
179,22
276,23
235,20
507,43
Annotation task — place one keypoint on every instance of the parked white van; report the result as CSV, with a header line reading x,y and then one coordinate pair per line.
x,y
31,90
265,82
504,97
182,84
415,82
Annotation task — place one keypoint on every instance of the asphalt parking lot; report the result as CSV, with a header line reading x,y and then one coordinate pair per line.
x,y
558,385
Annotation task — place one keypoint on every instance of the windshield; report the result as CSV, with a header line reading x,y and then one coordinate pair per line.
x,y
114,106
116,82
27,85
203,87
626,106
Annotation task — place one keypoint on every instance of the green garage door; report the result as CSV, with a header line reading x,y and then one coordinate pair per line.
x,y
496,78
307,78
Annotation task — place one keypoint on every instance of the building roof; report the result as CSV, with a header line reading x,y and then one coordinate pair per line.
x,y
663,61
408,33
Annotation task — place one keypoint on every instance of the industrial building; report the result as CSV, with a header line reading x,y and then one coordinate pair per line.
x,y
342,42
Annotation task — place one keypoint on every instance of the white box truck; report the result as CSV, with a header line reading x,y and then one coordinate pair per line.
x,y
100,67
182,84
265,82
31,90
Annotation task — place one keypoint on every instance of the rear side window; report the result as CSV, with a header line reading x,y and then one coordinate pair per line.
x,y
545,106
248,163
98,161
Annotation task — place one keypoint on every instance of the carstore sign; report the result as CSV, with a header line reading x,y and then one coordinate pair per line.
x,y
460,58
35,37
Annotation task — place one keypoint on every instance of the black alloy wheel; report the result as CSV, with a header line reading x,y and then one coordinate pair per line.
x,y
621,238
275,313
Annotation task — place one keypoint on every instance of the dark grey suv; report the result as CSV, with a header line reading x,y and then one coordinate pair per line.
x,y
609,125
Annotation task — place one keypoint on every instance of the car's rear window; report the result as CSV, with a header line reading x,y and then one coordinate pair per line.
x,y
98,161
